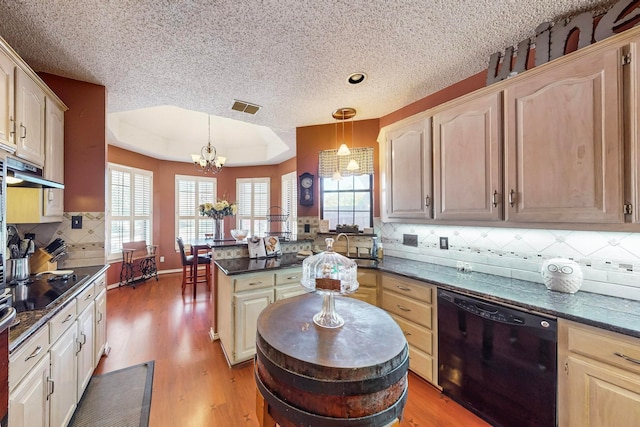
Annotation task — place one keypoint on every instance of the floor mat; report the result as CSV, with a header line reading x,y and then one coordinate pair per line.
x,y
117,399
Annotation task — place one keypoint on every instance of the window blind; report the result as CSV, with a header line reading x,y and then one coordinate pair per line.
x,y
289,189
130,209
191,191
253,204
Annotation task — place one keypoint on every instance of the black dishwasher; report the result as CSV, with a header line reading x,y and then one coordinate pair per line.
x,y
497,361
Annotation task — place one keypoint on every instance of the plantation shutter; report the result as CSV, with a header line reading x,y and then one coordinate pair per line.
x,y
191,192
253,204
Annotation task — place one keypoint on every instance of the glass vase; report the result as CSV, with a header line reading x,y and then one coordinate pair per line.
x,y
219,230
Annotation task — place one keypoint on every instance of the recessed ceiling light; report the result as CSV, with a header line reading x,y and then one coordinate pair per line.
x,y
356,78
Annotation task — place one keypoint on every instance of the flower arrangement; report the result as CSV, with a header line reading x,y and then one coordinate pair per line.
x,y
218,210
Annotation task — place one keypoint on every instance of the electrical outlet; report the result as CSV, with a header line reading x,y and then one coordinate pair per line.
x,y
307,228
161,259
444,243
410,240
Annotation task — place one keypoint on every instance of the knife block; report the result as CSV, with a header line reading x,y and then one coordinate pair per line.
x,y
40,261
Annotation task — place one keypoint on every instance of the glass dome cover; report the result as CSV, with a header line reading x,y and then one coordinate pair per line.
x,y
330,274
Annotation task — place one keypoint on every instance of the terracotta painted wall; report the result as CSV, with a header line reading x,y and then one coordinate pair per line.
x,y
85,153
310,140
164,194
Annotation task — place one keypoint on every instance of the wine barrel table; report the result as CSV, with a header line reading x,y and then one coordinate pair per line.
x,y
306,375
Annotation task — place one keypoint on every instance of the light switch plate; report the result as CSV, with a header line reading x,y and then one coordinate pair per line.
x,y
76,221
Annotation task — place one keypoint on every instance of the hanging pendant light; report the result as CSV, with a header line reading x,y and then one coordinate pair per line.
x,y
353,164
208,161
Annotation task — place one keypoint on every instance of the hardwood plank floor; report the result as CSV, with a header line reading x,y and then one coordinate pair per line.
x,y
193,386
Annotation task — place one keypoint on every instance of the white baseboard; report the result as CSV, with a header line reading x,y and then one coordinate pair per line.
x,y
213,336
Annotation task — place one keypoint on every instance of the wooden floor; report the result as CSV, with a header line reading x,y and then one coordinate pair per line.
x,y
193,386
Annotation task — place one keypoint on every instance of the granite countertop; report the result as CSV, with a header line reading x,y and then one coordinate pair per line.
x,y
611,313
251,265
31,321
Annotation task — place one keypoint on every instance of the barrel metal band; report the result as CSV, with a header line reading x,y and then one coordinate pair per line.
x,y
301,417
347,388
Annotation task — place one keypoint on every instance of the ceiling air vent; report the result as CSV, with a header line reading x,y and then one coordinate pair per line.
x,y
245,107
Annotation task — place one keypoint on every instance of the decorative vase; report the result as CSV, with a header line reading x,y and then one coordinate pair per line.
x,y
219,231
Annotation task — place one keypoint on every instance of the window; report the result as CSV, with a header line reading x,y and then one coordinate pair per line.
x,y
290,203
130,201
191,191
347,201
253,205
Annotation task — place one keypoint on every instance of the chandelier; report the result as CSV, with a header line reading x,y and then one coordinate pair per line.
x,y
344,114
208,161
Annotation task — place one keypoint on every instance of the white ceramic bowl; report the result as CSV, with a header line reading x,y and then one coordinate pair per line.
x,y
239,235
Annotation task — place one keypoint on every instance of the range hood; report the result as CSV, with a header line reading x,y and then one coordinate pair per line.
x,y
23,174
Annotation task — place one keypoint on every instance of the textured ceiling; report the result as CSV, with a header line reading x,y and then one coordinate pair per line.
x,y
291,57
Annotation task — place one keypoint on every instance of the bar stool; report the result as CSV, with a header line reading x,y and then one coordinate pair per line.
x,y
196,274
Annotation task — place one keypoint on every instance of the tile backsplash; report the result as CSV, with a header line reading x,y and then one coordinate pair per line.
x,y
610,261
85,246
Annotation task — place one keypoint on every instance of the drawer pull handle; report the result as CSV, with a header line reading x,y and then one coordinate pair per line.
x,y
512,198
403,308
52,387
255,283
34,354
407,334
403,288
69,317
292,277
627,358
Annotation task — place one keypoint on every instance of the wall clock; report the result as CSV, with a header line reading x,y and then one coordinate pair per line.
x,y
306,189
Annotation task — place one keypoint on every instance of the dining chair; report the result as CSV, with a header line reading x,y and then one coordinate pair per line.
x,y
195,274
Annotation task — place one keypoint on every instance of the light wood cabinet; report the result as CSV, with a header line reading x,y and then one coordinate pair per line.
x,y
53,202
240,300
7,102
407,190
64,376
101,325
248,306
467,142
49,372
28,402
599,377
411,304
564,142
86,347
367,286
30,117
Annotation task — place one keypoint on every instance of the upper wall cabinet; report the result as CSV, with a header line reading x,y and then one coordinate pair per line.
x,y
30,117
407,165
53,202
467,143
7,99
564,143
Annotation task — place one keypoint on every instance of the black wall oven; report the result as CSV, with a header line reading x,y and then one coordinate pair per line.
x,y
497,361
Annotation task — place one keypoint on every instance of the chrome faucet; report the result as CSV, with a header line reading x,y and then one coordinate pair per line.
x,y
346,237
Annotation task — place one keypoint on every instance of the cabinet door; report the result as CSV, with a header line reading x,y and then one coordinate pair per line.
x,y
7,110
53,203
248,306
28,403
467,141
101,326
289,291
563,147
64,374
30,113
86,344
408,168
600,395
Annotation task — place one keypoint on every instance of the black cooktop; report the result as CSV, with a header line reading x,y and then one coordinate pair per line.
x,y
37,294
